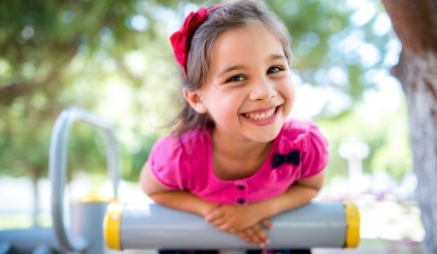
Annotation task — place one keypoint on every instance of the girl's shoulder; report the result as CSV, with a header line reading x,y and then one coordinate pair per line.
x,y
174,157
181,145
305,138
299,134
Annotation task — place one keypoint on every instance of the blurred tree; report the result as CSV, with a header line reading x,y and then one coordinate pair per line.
x,y
55,54
415,23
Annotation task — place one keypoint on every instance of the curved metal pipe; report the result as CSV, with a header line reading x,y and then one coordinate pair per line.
x,y
57,169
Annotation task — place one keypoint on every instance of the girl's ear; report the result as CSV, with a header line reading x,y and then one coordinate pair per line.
x,y
194,98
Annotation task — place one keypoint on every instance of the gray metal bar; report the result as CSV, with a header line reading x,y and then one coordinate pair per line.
x,y
26,240
318,224
57,169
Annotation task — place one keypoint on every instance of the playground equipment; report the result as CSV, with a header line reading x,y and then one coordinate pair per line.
x,y
150,226
319,224
85,234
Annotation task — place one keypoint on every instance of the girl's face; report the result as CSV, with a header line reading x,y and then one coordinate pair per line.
x,y
249,91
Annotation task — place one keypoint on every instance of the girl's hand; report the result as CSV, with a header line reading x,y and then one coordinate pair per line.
x,y
235,218
254,234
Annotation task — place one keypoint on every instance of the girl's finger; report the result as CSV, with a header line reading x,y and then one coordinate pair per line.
x,y
250,235
254,238
243,235
213,216
218,223
261,237
225,227
267,223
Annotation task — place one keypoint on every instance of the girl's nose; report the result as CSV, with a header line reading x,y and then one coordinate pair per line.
x,y
263,89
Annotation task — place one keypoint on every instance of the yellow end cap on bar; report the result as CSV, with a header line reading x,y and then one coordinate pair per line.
x,y
111,225
352,225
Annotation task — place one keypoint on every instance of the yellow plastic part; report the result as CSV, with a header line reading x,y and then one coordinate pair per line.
x,y
111,225
92,198
352,225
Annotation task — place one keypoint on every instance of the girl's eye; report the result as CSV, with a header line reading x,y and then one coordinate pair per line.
x,y
235,78
274,69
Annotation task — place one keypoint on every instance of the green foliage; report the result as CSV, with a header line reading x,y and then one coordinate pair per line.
x,y
138,158
86,150
56,54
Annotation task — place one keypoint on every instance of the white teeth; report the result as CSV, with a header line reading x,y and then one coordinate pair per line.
x,y
260,116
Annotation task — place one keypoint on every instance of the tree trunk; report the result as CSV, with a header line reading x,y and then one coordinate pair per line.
x,y
415,23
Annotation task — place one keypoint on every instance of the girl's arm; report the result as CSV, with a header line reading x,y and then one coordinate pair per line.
x,y
299,194
186,201
176,199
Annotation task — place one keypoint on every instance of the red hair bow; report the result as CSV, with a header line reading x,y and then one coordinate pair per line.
x,y
180,40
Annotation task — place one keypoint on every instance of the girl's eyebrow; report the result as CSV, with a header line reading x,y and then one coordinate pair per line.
x,y
277,56
229,69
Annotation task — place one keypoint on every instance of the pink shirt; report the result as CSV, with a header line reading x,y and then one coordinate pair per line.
x,y
185,163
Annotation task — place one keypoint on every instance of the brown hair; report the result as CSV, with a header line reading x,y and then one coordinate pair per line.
x,y
228,16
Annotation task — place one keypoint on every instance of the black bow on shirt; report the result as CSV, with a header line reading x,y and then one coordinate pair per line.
x,y
293,157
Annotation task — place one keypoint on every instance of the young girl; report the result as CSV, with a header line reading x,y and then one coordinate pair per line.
x,y
234,157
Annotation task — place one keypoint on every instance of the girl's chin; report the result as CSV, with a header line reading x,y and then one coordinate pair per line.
x,y
266,135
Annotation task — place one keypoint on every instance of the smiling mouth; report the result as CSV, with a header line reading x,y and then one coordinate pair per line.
x,y
260,115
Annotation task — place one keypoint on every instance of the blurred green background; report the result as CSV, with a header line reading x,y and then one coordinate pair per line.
x,y
113,58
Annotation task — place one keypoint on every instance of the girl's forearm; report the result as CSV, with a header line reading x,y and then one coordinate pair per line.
x,y
183,201
296,196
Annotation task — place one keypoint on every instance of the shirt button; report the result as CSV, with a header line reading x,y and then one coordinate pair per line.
x,y
240,201
240,187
